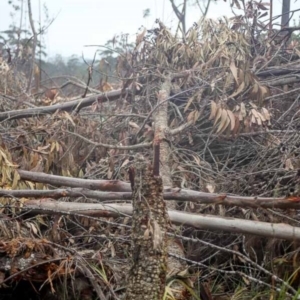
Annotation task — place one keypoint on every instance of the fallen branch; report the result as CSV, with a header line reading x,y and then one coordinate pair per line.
x,y
283,81
265,229
114,95
67,106
279,71
120,190
92,184
59,193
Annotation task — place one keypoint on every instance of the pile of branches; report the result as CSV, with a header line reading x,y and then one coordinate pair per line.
x,y
233,130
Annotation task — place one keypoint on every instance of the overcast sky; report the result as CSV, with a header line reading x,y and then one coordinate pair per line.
x,y
86,22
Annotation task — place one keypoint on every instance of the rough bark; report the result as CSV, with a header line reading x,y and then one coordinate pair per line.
x,y
149,226
161,132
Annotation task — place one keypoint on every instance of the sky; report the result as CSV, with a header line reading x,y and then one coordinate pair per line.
x,y
78,23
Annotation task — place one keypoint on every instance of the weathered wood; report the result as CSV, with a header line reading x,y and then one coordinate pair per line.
x,y
149,227
161,136
203,222
102,185
67,106
120,190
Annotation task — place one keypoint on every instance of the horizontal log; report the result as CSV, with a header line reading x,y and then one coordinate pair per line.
x,y
279,71
203,222
119,190
101,185
66,106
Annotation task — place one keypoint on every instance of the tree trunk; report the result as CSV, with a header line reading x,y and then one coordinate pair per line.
x,y
149,227
161,130
285,18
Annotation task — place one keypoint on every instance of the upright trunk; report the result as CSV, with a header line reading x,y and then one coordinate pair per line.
x,y
285,18
161,129
150,220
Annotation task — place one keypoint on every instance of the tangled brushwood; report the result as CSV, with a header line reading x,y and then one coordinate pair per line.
x,y
230,93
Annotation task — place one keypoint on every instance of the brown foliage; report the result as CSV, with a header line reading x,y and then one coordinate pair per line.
x,y
233,128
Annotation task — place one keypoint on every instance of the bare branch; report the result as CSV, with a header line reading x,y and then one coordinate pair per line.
x,y
67,106
265,229
122,190
131,147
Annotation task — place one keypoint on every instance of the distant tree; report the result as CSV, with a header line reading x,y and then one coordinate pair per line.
x,y
146,13
18,37
117,47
